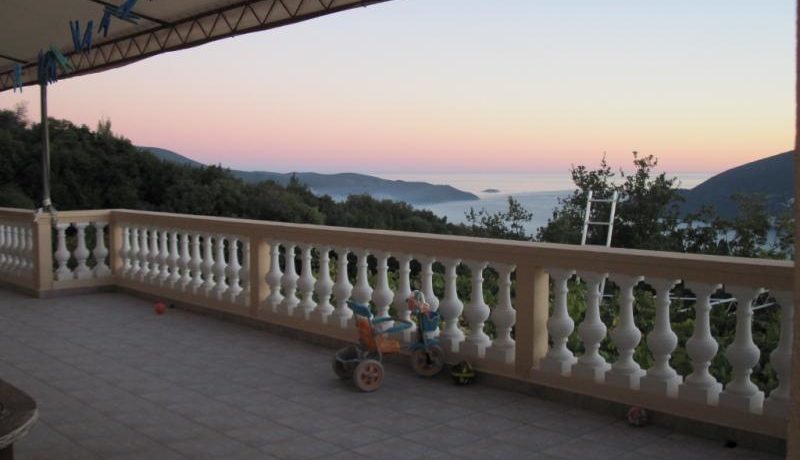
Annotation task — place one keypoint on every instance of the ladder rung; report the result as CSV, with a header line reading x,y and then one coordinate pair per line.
x,y
602,200
599,223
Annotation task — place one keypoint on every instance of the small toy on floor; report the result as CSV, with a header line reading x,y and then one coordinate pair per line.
x,y
463,373
637,416
159,307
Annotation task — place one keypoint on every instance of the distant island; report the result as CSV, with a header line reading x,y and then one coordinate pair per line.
x,y
491,190
340,186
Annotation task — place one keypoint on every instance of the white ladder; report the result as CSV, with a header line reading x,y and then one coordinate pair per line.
x,y
587,216
610,224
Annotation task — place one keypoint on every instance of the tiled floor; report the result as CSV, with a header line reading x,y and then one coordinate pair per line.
x,y
113,380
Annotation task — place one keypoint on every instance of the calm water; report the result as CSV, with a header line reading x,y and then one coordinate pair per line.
x,y
538,193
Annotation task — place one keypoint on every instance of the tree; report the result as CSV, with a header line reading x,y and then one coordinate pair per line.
x,y
508,224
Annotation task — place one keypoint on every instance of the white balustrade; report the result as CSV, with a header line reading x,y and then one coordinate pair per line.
x,y
777,404
100,251
625,372
154,257
341,290
591,365
234,270
661,378
700,386
382,296
220,268
476,312
144,255
16,250
135,258
559,358
426,275
740,392
163,257
244,297
196,265
289,281
174,260
450,308
125,251
403,292
185,263
323,287
209,281
503,316
274,277
306,283
62,254
362,292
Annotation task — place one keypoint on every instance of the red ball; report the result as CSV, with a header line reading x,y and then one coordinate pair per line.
x,y
637,416
160,308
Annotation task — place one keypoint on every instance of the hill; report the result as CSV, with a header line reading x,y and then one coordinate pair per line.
x,y
771,177
340,186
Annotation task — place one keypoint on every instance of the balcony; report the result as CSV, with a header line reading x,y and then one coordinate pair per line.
x,y
115,380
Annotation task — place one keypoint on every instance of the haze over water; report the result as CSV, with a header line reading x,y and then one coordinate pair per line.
x,y
538,193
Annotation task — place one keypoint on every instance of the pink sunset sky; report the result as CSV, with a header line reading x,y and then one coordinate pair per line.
x,y
465,86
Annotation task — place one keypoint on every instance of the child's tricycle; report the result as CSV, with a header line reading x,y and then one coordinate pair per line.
x,y
363,362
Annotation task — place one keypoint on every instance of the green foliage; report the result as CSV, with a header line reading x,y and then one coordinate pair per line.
x,y
509,224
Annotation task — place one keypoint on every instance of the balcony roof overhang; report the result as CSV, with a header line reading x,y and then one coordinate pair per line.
x,y
154,27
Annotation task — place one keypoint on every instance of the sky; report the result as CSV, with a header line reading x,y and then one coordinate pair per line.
x,y
465,86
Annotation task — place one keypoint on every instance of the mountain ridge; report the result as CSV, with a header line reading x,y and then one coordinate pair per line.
x,y
340,186
772,177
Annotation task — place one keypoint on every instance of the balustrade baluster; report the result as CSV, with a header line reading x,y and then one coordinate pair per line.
x,y
62,254
591,365
163,258
125,250
324,286
100,251
196,265
219,268
342,289
274,277
208,265
234,270
450,308
185,263
81,253
700,385
559,358
741,393
153,257
306,283
3,247
15,246
174,260
625,372
476,312
777,405
362,292
133,274
244,278
144,255
503,316
426,278
661,378
289,281
403,292
382,296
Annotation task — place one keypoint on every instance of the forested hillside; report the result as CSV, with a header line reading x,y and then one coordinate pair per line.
x,y
99,170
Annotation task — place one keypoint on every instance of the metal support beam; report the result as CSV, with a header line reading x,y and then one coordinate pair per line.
x,y
46,203
793,430
223,22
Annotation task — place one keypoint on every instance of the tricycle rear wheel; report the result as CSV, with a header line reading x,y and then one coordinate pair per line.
x,y
427,363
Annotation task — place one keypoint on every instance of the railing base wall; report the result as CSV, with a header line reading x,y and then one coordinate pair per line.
x,y
504,379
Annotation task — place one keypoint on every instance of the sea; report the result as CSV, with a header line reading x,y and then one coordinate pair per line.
x,y
538,193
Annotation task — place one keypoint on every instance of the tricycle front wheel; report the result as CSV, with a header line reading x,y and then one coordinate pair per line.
x,y
427,363
368,375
